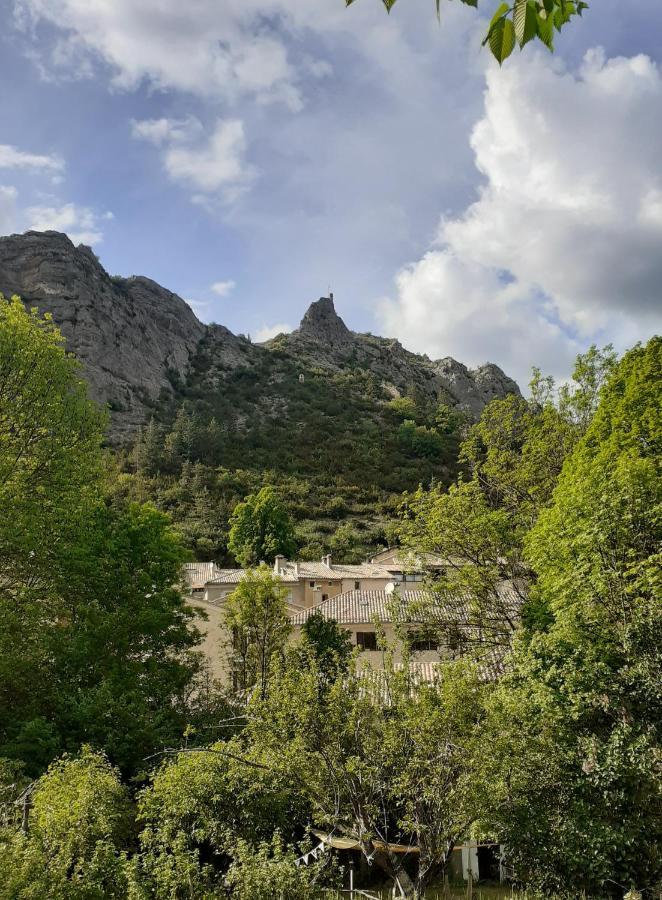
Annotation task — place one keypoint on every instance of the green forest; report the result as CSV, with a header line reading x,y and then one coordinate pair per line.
x,y
126,772
338,447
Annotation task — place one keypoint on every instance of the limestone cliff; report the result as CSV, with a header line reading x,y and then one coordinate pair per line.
x,y
131,334
140,344
323,339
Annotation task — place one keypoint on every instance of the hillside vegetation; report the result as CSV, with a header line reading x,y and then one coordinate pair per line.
x,y
337,445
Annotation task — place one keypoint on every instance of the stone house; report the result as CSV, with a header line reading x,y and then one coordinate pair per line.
x,y
361,598
308,584
367,614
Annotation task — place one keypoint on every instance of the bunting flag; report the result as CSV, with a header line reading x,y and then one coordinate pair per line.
x,y
316,852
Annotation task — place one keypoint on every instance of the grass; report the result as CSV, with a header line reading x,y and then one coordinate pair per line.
x,y
480,892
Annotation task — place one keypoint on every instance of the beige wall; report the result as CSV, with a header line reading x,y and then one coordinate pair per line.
x,y
375,658
366,584
215,637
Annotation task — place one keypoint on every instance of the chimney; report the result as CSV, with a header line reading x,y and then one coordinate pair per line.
x,y
279,563
327,560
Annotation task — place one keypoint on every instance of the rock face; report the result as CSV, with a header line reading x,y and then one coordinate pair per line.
x,y
322,323
474,388
137,340
131,334
324,340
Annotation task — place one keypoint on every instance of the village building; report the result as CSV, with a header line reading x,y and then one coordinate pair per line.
x,y
371,619
372,601
307,584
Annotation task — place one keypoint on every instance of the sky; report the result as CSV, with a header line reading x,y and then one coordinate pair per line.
x,y
252,155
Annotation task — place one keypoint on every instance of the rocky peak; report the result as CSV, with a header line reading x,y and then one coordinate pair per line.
x,y
474,388
131,334
322,323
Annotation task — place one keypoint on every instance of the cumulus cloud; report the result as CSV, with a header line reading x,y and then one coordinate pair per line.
x,y
223,288
80,222
562,246
220,50
270,331
7,209
211,164
13,158
162,131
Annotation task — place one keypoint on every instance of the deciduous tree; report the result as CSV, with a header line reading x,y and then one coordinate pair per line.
x,y
260,529
577,722
259,626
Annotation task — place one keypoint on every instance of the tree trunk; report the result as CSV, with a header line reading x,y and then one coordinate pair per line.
x,y
402,883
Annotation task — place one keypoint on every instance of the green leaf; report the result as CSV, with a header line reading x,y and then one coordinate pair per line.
x,y
502,40
389,4
545,29
499,14
525,21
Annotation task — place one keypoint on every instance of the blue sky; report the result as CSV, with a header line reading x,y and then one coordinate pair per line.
x,y
248,154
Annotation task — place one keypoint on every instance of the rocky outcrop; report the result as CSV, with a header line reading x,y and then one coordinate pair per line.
x,y
131,334
322,323
138,341
324,340
472,389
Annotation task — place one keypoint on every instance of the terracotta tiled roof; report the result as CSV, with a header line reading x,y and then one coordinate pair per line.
x,y
227,576
357,607
362,607
234,576
197,574
364,570
312,570
320,571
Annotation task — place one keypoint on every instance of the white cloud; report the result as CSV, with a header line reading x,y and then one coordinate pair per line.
x,y
13,158
223,288
220,50
270,331
162,131
8,196
80,222
212,164
562,246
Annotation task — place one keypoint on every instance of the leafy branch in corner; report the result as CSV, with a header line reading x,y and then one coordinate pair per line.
x,y
519,22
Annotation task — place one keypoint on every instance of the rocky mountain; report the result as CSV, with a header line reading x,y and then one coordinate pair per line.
x,y
142,346
324,339
130,333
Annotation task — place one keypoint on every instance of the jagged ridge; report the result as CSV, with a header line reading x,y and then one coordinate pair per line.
x,y
137,340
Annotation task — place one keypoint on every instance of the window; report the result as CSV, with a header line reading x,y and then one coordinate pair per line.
x,y
312,584
198,591
421,644
325,597
366,640
357,585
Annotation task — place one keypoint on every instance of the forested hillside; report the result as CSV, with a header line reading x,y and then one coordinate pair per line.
x,y
341,423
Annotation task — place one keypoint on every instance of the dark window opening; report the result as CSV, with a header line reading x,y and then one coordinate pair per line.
x,y
357,585
421,644
366,640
